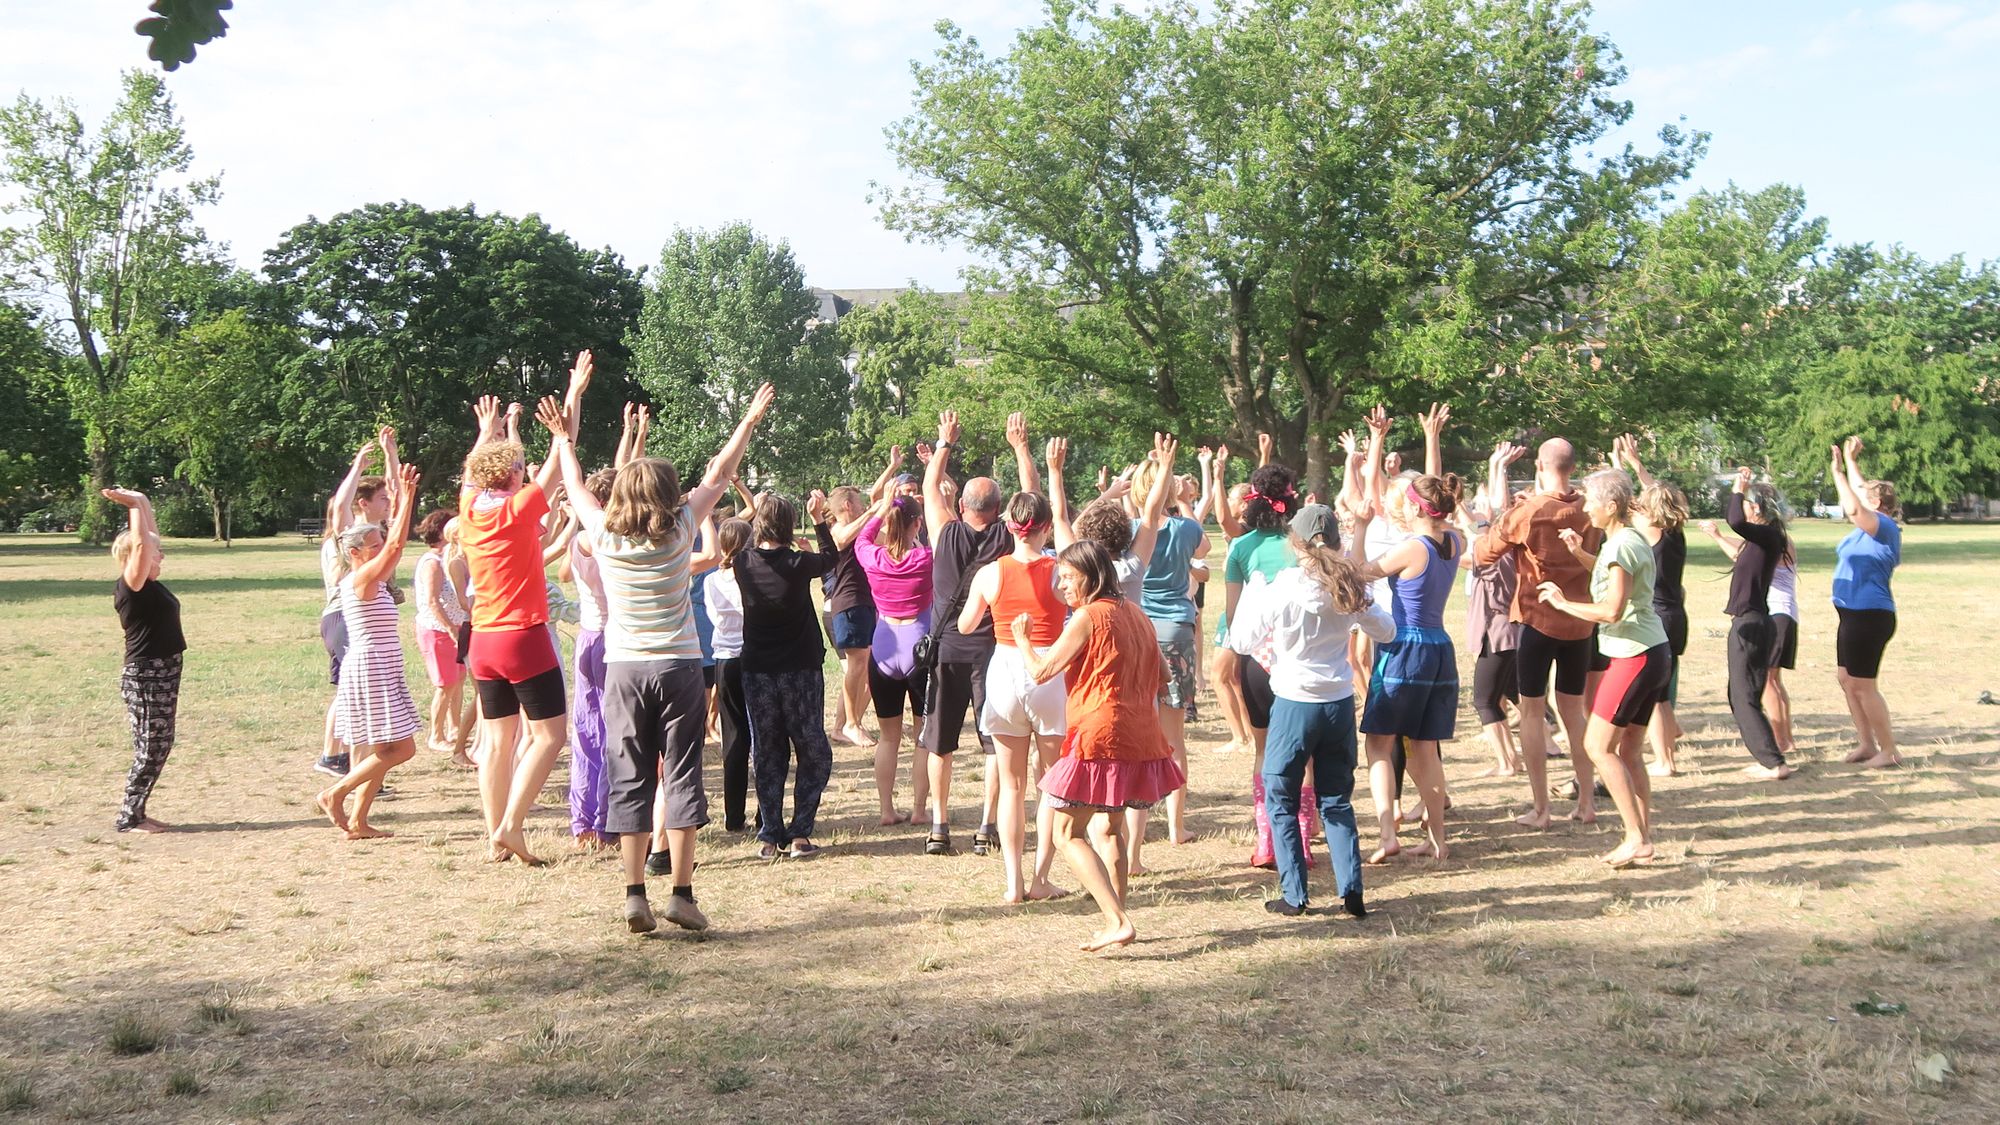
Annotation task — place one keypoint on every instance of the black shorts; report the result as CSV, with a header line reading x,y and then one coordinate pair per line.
x,y
708,677
1598,661
1257,694
464,640
539,697
957,688
889,693
1675,619
1784,641
1493,680
1864,634
1538,651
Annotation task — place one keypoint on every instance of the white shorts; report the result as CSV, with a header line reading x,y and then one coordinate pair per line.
x,y
1017,707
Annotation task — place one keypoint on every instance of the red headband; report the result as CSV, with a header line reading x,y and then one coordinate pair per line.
x,y
1422,504
1023,529
1278,503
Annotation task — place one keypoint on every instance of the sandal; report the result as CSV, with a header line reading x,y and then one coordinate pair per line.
x,y
982,843
938,843
805,850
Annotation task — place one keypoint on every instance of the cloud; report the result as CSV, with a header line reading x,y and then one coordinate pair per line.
x,y
1673,87
1926,17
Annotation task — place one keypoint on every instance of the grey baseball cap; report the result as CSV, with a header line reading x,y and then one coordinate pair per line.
x,y
1315,521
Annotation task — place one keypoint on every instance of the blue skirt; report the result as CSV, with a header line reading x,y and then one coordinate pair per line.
x,y
1414,691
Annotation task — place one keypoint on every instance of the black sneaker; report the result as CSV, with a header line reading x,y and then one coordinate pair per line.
x,y
1353,904
332,766
659,863
1284,907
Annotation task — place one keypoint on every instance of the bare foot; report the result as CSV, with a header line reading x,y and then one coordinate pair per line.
x,y
1585,814
1230,747
1185,837
1014,897
1044,891
515,844
1661,769
1383,854
586,840
1425,850
150,825
1861,754
362,830
335,812
1139,869
463,762
1110,939
1628,854
856,735
1499,771
1412,815
1883,761
1768,773
891,819
1539,821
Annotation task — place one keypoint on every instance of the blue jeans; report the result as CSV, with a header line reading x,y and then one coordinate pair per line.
x,y
1323,734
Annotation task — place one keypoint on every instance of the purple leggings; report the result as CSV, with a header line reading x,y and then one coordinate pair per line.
x,y
586,768
895,646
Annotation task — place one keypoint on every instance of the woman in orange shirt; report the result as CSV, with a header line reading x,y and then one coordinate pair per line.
x,y
1115,756
1018,709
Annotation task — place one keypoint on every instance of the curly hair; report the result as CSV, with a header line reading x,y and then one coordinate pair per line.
x,y
1275,498
1104,522
1664,505
493,464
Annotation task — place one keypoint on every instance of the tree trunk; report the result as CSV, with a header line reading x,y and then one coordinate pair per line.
x,y
218,508
100,520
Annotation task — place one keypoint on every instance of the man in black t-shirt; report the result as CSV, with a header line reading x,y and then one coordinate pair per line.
x,y
962,542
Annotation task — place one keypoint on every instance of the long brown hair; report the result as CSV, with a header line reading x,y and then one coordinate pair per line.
x,y
1090,560
899,526
730,539
645,502
1333,572
776,520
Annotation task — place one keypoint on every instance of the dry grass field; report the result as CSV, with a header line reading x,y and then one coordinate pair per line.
x,y
1826,949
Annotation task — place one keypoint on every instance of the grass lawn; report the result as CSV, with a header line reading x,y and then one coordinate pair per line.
x,y
254,967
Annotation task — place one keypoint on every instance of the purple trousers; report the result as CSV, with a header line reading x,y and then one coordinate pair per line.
x,y
586,769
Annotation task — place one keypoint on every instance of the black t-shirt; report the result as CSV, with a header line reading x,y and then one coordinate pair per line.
x,y
151,616
958,555
1670,557
781,630
847,586
1763,546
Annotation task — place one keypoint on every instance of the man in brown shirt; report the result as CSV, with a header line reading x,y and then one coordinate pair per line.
x,y
1531,531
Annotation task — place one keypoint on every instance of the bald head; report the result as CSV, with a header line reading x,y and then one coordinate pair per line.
x,y
1557,458
980,500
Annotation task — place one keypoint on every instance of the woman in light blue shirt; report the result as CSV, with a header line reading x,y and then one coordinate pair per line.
x,y
1863,562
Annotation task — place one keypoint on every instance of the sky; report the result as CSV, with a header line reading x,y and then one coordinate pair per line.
x,y
620,120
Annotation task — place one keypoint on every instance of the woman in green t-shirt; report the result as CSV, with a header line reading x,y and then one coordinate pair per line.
x,y
1630,633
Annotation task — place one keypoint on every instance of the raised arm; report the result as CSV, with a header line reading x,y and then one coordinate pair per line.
x,y
1024,456
1153,513
938,513
881,487
1730,546
513,421
138,521
1626,448
1265,449
701,501
559,546
710,555
1205,461
1433,422
392,465
562,452
1853,488
394,539
1056,452
1373,479
340,509
1226,516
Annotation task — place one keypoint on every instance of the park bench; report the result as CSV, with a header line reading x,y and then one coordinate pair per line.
x,y
312,529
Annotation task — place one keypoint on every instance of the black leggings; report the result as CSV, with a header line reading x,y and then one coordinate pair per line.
x,y
734,719
1493,680
1750,651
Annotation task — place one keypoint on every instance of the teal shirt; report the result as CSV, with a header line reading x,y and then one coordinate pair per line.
x,y
1267,552
1166,591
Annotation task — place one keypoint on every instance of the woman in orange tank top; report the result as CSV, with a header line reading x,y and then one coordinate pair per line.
x,y
1115,757
1020,710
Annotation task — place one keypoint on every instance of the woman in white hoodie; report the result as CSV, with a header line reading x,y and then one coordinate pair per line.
x,y
1300,621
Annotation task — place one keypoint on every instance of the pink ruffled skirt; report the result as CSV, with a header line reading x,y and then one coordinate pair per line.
x,y
1109,784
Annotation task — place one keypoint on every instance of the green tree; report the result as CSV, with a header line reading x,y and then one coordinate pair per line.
x,y
727,311
40,445
1300,198
106,232
1904,353
418,312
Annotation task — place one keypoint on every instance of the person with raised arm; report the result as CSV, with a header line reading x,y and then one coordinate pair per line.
x,y
1630,633
150,679
1491,633
1782,604
373,708
1864,562
655,705
586,772
1661,515
1413,694
1177,545
1020,711
439,614
850,611
1531,532
1115,757
898,566
724,599
515,668
959,548
1752,511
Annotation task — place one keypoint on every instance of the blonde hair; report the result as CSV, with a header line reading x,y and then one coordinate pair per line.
x,y
492,465
127,542
1664,505
1333,572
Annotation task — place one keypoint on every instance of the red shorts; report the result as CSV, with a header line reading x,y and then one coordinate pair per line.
x,y
511,655
440,651
1633,686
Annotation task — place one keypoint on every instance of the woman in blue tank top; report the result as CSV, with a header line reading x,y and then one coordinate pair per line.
x,y
1413,693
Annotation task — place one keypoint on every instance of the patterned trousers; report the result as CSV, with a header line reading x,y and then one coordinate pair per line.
x,y
152,691
787,720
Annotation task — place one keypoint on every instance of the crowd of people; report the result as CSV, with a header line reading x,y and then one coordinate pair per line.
x,y
1064,644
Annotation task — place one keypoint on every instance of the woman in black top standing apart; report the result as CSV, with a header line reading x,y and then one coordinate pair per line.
x,y
1752,512
151,683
